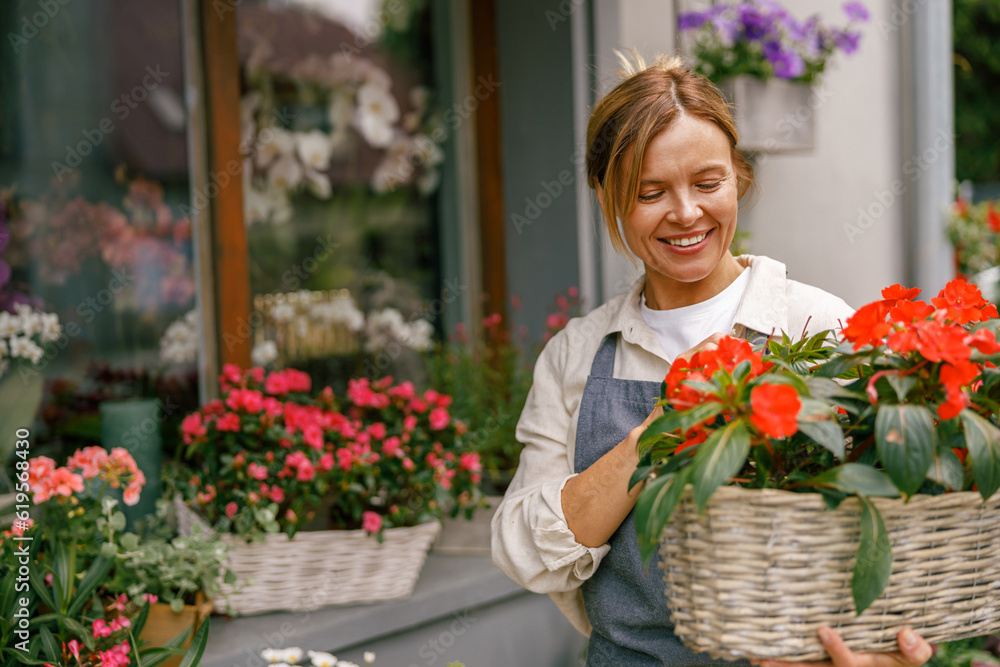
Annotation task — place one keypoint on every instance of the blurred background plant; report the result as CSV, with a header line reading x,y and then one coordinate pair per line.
x,y
763,40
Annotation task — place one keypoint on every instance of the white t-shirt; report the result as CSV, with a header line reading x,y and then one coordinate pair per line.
x,y
680,329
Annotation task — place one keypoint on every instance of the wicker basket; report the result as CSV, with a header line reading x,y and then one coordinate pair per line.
x,y
319,568
761,570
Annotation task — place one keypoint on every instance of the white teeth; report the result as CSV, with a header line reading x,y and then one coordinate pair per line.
x,y
688,241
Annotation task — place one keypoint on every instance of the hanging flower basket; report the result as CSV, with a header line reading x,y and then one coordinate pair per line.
x,y
762,570
320,568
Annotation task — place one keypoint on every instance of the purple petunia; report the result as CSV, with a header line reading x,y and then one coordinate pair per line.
x,y
846,40
692,20
786,64
856,12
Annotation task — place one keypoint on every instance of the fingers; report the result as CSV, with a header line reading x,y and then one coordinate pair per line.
x,y
914,648
914,651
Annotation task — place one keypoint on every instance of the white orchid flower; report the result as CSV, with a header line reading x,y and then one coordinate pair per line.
x,y
318,184
286,173
313,148
272,143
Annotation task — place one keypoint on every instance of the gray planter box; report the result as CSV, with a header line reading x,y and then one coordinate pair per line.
x,y
771,116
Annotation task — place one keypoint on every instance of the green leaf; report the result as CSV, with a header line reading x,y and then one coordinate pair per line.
x,y
873,563
817,422
856,478
906,442
86,634
653,509
198,644
901,384
62,578
947,469
95,576
140,621
719,458
677,420
49,643
838,366
983,440
41,590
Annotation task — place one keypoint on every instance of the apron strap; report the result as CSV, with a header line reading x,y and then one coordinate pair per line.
x,y
604,360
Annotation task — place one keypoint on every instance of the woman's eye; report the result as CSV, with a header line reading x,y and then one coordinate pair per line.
x,y
650,196
708,187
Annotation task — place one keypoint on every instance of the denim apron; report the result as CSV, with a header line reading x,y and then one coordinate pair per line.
x,y
626,607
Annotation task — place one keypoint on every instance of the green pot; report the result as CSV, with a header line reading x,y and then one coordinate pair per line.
x,y
135,426
20,396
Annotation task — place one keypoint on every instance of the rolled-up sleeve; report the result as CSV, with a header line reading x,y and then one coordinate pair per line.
x,y
532,544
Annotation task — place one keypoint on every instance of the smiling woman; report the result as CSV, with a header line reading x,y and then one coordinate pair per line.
x,y
662,158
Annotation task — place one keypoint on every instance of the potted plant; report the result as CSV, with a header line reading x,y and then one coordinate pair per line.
x,y
261,460
179,576
61,610
766,61
827,485
974,232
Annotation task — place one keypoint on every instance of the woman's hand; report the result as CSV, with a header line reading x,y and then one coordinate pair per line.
x,y
913,652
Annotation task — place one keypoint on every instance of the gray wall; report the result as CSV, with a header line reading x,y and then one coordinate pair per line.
x,y
540,208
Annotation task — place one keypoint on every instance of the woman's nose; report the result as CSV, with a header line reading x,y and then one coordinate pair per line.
x,y
684,210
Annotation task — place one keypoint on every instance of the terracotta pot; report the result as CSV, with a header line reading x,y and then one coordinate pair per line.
x,y
163,624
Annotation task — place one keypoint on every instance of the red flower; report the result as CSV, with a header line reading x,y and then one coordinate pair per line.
x,y
868,326
907,312
899,293
439,418
955,377
985,341
992,218
228,422
964,303
775,409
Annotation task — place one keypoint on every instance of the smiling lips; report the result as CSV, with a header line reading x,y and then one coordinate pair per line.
x,y
686,242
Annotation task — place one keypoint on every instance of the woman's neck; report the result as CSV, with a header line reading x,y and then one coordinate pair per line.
x,y
662,293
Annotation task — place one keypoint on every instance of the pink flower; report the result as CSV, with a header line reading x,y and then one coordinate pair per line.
x,y
470,461
277,494
371,522
439,418
391,446
250,400
408,464
132,491
119,623
74,648
409,423
48,579
61,482
276,384
312,435
418,405
256,471
403,390
119,603
100,629
231,510
377,430
192,428
326,462
231,376
150,598
228,422
291,516
20,526
39,468
89,461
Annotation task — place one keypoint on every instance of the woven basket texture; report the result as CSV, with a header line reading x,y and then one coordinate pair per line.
x,y
761,570
319,568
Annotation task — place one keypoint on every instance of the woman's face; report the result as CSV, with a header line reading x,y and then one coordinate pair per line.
x,y
685,215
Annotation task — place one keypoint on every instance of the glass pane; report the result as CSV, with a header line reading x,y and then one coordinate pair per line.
x,y
93,174
342,137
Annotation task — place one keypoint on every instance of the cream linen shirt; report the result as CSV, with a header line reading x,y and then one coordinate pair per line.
x,y
531,541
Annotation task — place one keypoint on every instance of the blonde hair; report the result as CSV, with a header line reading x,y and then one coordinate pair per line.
x,y
647,101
